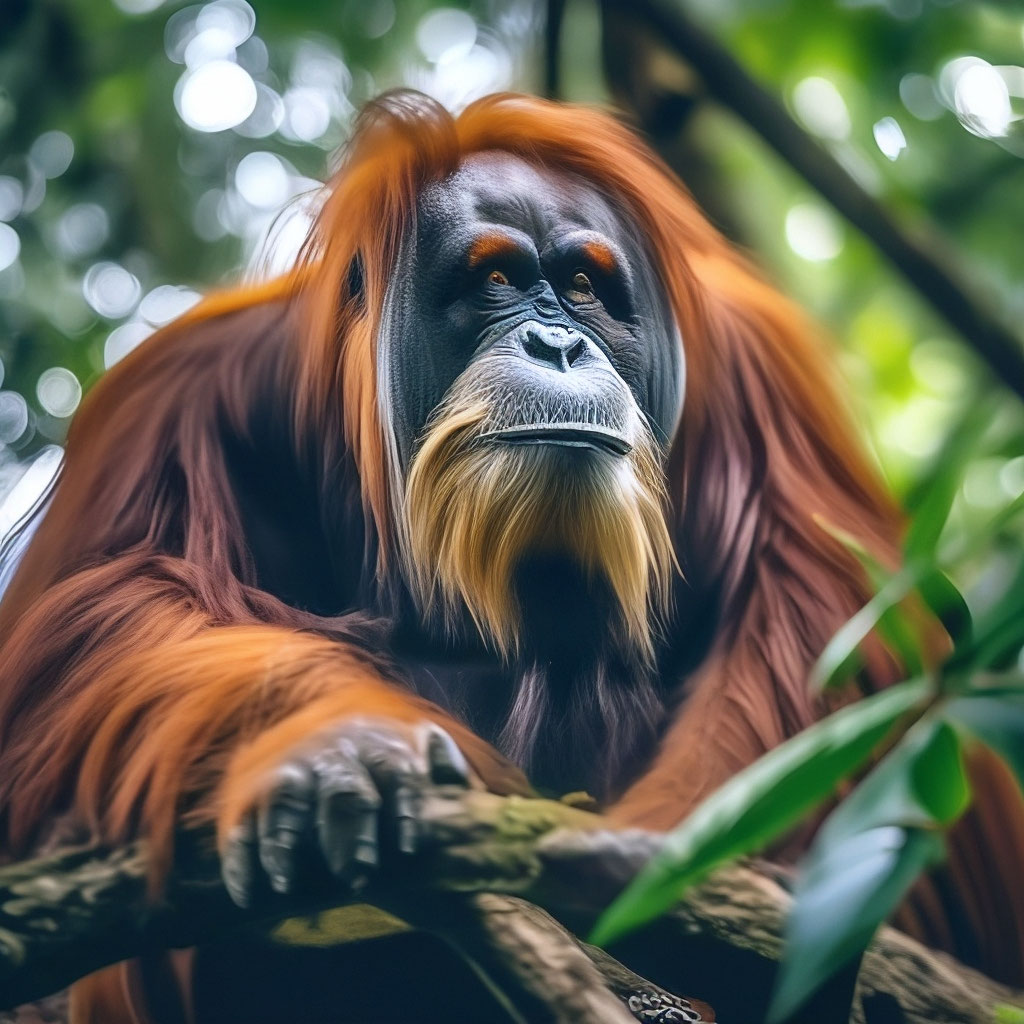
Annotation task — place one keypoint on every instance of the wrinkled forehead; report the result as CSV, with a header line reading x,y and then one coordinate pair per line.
x,y
507,191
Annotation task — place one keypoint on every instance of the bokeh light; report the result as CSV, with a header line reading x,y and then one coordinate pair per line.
x,y
211,44
983,484
167,302
12,281
123,340
889,137
14,417
307,114
262,179
234,19
138,6
1011,477
915,427
10,245
918,94
35,189
215,96
267,115
253,55
206,219
82,230
111,290
980,94
822,109
813,232
51,154
376,19
58,391
12,195
445,34
938,368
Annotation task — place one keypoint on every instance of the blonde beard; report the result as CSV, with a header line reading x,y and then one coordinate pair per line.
x,y
474,509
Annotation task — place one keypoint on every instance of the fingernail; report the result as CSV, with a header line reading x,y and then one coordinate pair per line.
x,y
366,853
406,835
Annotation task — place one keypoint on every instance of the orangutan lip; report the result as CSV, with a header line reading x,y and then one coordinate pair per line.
x,y
584,436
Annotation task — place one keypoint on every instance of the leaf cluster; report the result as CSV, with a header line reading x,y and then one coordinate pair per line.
x,y
906,746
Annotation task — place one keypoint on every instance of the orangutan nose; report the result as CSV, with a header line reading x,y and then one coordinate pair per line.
x,y
558,347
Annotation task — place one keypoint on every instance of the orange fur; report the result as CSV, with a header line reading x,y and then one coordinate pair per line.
x,y
489,248
601,255
149,678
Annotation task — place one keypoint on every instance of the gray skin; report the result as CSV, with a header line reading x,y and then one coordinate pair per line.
x,y
443,317
544,350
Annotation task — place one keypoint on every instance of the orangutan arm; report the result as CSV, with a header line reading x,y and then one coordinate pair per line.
x,y
147,712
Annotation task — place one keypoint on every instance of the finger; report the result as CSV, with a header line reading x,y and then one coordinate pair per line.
x,y
406,807
346,816
281,822
239,862
400,772
447,763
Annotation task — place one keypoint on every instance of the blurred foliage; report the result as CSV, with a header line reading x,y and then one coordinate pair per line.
x,y
865,63
174,206
912,736
105,83
152,149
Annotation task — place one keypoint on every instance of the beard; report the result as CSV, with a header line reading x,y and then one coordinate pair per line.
x,y
478,507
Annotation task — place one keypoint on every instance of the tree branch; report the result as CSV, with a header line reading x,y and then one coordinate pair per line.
x,y
64,916
554,16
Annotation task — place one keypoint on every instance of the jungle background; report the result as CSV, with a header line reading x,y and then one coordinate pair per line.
x,y
152,150
149,148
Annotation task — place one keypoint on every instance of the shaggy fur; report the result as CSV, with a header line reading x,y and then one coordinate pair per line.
x,y
218,577
474,510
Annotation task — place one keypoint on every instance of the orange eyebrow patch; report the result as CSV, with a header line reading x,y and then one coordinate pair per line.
x,y
600,255
488,248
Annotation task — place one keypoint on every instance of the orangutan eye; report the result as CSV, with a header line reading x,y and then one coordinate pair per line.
x,y
581,283
497,277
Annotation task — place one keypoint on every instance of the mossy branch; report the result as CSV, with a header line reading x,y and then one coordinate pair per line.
x,y
66,915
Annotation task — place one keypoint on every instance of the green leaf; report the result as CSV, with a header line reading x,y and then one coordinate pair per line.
x,y
998,721
946,603
905,788
867,854
930,502
967,546
840,901
760,803
840,657
901,635
876,571
841,650
998,647
994,684
938,777
999,631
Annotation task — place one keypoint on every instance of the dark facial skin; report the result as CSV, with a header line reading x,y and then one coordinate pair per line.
x,y
534,277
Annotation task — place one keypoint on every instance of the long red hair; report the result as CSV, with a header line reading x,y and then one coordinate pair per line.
x,y
763,451
137,617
